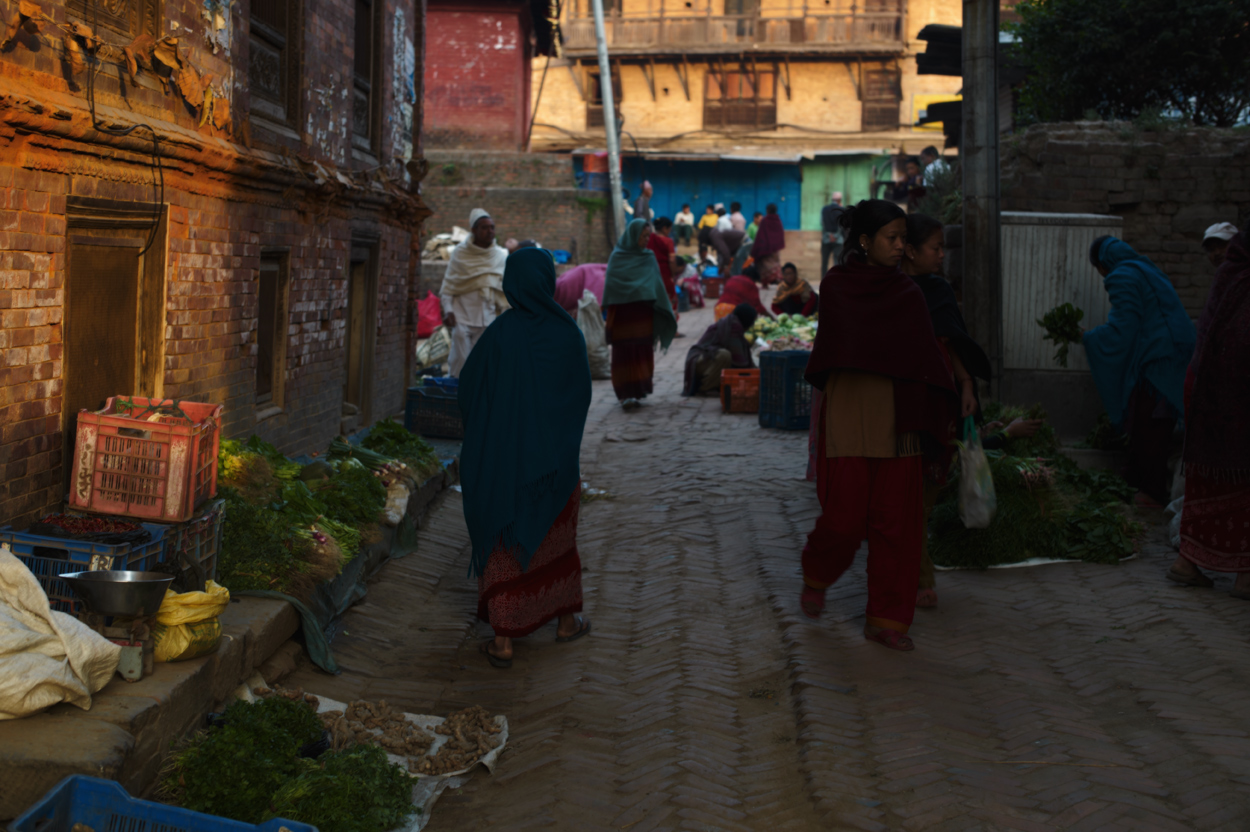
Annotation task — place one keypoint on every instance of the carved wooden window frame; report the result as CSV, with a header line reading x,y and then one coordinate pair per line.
x,y
367,91
127,18
755,111
284,47
882,94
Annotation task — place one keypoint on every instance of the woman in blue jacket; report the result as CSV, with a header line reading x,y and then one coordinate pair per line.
x,y
1138,359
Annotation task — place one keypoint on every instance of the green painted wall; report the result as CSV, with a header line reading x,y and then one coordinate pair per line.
x,y
824,175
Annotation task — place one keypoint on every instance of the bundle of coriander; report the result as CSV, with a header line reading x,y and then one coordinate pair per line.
x,y
1063,326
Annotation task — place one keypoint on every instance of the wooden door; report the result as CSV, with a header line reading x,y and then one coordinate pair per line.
x,y
101,326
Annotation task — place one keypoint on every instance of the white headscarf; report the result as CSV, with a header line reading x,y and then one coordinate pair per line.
x,y
473,268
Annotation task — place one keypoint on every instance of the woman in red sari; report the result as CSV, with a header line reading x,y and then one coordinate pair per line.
x,y
889,407
1215,520
524,394
738,290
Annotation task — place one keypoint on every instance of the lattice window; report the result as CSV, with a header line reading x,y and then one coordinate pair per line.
x,y
882,96
740,99
128,18
366,92
594,98
273,67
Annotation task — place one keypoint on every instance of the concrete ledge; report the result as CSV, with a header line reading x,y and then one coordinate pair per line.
x,y
128,732
130,727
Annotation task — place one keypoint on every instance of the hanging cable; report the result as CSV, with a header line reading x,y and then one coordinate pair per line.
x,y
158,172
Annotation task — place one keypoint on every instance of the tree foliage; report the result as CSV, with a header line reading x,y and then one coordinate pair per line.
x,y
1123,58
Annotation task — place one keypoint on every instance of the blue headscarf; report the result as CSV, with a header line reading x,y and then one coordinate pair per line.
x,y
1148,335
524,394
634,275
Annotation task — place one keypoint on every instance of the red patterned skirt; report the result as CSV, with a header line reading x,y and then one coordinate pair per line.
x,y
517,603
1215,524
631,334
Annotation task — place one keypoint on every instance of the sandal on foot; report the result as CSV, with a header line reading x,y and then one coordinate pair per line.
x,y
1196,579
495,661
583,628
812,601
926,598
892,639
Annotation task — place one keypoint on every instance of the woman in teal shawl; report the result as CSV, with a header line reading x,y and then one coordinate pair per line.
x,y
524,394
639,313
1138,359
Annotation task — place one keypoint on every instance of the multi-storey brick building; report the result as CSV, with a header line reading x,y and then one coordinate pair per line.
x,y
207,201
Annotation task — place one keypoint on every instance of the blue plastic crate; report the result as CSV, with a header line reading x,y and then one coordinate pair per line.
x,y
433,411
199,537
441,382
785,396
48,557
105,806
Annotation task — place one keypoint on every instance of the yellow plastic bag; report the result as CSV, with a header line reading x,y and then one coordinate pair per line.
x,y
186,624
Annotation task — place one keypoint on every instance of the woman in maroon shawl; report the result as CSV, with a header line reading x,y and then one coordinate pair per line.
x,y
770,240
889,407
1215,520
738,290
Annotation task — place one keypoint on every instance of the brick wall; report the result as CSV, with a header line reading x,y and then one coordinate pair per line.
x,y
1169,186
529,195
477,77
229,193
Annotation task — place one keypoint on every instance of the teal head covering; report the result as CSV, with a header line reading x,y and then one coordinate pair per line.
x,y
1148,335
634,275
524,394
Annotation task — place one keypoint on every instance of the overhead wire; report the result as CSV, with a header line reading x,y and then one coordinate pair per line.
x,y
158,174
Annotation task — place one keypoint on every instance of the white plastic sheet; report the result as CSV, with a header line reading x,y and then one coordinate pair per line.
x,y
46,657
590,322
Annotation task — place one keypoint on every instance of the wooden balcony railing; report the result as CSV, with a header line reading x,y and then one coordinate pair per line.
x,y
707,34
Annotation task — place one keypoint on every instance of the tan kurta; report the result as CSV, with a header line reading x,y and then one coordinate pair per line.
x,y
859,418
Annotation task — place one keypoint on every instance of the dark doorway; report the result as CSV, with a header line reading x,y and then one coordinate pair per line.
x,y
362,293
113,328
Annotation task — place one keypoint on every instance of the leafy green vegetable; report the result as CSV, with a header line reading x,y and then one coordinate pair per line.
x,y
353,496
257,550
283,468
1063,326
1105,436
234,769
1043,443
357,790
393,440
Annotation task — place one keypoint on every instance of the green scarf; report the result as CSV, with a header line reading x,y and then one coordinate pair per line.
x,y
634,275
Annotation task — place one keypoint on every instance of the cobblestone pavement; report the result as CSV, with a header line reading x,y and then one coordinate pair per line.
x,y
1061,697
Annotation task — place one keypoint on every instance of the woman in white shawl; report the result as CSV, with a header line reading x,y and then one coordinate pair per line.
x,y
472,290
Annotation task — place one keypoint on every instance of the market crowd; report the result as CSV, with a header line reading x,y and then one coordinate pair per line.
x,y
895,379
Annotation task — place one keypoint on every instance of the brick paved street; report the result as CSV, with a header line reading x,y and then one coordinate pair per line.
x,y
704,700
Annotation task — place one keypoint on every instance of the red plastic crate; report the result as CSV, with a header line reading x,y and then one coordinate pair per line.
x,y
740,391
147,458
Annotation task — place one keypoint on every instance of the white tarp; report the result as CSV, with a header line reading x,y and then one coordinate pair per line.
x,y
46,657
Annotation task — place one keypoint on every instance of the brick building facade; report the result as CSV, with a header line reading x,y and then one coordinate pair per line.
x,y
203,201
1168,185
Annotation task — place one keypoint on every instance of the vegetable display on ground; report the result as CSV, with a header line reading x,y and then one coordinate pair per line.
x,y
259,761
289,527
1048,507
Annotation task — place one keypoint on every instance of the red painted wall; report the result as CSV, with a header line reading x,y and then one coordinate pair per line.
x,y
477,77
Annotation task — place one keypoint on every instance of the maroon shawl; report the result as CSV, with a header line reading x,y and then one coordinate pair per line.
x,y
875,320
770,238
1217,439
742,289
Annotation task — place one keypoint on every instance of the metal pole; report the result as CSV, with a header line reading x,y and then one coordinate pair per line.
x,y
609,120
982,281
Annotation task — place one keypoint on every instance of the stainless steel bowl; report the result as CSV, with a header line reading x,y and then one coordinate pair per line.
x,y
120,593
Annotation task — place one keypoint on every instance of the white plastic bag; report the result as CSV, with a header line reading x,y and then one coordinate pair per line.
x,y
435,349
590,322
977,500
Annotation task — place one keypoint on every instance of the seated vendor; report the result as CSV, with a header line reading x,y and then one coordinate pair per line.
x,y
723,346
794,296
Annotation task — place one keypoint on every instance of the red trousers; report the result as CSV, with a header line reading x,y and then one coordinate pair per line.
x,y
882,500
